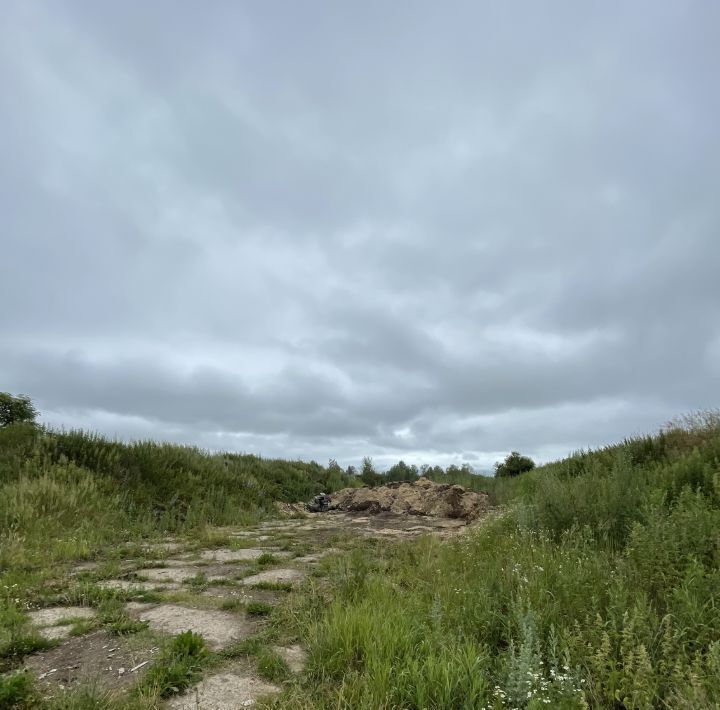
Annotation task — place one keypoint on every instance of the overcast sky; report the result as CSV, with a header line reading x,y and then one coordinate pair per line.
x,y
434,231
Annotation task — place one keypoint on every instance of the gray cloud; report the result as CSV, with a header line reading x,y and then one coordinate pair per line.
x,y
429,231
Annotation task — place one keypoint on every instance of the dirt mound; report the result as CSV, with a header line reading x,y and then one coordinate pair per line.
x,y
421,497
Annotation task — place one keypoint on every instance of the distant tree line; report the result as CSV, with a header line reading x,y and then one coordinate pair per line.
x,y
464,475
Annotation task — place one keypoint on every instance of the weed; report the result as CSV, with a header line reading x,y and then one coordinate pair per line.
x,y
275,586
256,608
17,638
17,691
113,616
272,667
198,582
83,626
179,666
232,604
248,647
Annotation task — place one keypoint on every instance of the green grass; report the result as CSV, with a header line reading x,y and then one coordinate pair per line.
x,y
93,697
69,497
17,638
178,667
255,608
272,667
113,617
232,604
198,582
83,626
598,587
17,691
274,586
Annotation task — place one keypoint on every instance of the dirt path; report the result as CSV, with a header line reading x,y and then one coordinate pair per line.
x,y
221,587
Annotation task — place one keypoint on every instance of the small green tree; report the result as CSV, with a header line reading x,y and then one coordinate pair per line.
x,y
335,476
368,475
16,409
513,465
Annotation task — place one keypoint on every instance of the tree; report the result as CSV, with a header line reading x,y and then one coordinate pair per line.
x,y
335,476
513,465
401,472
16,409
368,475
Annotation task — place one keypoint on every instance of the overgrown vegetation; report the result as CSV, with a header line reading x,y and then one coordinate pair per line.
x,y
598,587
596,584
71,496
66,495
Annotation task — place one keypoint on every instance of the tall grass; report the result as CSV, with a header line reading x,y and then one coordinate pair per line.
x,y
68,496
599,587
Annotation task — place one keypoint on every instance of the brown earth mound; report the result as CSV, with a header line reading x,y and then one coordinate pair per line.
x,y
421,497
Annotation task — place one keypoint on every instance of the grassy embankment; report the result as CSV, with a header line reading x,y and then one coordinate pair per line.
x,y
599,587
69,497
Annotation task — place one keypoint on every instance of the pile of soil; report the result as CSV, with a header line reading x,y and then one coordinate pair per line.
x,y
421,497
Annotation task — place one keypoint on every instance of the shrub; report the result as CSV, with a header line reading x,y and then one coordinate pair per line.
x,y
514,465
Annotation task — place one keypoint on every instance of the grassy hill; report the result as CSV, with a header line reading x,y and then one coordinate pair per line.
x,y
64,495
597,584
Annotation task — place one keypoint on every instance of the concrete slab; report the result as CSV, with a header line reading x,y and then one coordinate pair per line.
x,y
224,691
218,628
294,656
275,576
51,615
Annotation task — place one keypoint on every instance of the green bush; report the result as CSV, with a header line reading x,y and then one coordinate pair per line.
x,y
513,465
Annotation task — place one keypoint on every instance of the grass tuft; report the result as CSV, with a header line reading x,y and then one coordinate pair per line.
x,y
178,667
255,608
17,691
272,667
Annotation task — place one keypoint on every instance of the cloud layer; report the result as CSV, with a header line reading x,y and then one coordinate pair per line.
x,y
423,231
